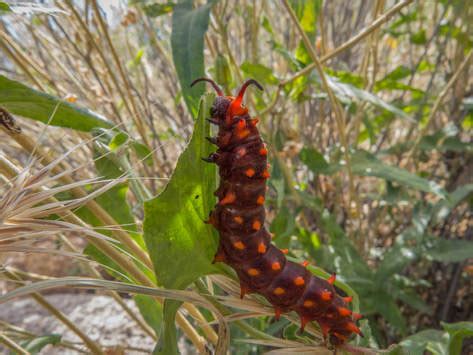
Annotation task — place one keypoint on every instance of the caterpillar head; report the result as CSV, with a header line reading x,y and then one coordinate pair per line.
x,y
225,108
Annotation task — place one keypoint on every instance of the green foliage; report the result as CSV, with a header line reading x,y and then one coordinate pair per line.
x,y
174,228
188,29
22,100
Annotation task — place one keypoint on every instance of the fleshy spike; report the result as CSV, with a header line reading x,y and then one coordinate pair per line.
x,y
353,328
357,316
331,279
277,313
213,83
304,321
305,263
241,93
243,291
348,299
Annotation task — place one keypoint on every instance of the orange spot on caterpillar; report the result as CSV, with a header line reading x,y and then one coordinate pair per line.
x,y
260,200
326,295
256,225
276,266
239,245
344,312
299,281
305,263
348,299
261,248
263,151
238,219
308,303
243,133
278,291
253,272
331,279
266,174
219,257
284,251
230,197
241,124
250,172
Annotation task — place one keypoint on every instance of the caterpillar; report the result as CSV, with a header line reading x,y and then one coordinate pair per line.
x,y
245,244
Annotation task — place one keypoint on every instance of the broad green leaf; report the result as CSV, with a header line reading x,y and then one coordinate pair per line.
x,y
259,72
187,41
450,250
458,332
434,340
35,345
181,245
24,101
347,93
366,164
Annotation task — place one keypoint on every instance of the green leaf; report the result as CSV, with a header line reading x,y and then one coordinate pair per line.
x,y
155,10
385,305
118,141
259,72
143,152
347,93
450,251
458,332
187,41
181,245
445,207
4,7
366,164
434,340
35,345
24,101
151,311
316,162
403,252
419,37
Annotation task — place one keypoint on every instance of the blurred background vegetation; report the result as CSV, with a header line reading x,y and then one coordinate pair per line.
x,y
367,110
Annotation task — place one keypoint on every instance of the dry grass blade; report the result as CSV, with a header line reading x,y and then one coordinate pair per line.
x,y
183,296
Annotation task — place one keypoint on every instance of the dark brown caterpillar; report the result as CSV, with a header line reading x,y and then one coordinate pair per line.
x,y
245,244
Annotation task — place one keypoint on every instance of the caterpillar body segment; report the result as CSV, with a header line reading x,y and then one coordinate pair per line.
x,y
245,244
